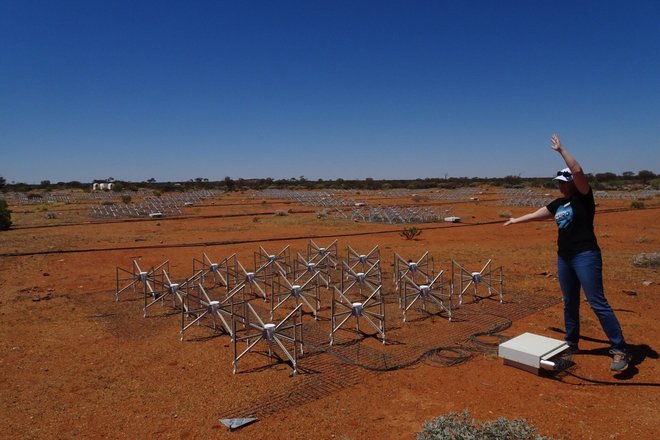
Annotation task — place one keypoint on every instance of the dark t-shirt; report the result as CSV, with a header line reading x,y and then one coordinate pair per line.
x,y
575,218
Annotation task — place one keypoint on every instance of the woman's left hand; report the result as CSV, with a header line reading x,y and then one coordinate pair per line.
x,y
556,143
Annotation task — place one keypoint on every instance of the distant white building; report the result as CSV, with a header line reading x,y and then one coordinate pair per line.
x,y
102,185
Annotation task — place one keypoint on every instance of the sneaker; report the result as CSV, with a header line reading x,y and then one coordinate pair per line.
x,y
619,360
571,350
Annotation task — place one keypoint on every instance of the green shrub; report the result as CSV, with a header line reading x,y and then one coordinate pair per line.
x,y
281,213
505,214
126,199
460,426
5,216
410,232
636,204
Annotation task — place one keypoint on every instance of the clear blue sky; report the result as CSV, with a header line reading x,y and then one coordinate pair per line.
x,y
176,90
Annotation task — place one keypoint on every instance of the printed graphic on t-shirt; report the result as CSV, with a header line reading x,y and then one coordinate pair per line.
x,y
564,215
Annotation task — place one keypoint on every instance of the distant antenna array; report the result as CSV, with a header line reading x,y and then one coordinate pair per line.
x,y
396,215
315,198
36,198
523,197
455,194
144,209
648,194
149,206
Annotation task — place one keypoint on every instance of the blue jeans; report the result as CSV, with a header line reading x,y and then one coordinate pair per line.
x,y
586,270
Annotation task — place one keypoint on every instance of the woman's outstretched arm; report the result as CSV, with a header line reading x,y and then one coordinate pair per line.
x,y
539,214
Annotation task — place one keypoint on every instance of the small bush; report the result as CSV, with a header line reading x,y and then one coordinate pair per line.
x,y
322,214
647,260
281,213
411,232
42,208
460,426
637,204
256,219
126,199
454,426
5,216
108,203
505,214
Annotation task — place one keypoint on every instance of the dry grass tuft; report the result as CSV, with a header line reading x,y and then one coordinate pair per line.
x,y
651,259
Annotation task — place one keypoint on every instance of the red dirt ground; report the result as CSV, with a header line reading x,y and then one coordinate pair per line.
x,y
76,363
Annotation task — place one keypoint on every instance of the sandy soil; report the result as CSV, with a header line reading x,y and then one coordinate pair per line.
x,y
76,363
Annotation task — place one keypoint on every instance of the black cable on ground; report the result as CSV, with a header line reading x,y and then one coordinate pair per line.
x,y
234,242
463,352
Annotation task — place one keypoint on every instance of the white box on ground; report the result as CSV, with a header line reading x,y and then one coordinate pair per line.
x,y
531,352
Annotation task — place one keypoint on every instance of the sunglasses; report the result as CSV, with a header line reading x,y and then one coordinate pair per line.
x,y
564,173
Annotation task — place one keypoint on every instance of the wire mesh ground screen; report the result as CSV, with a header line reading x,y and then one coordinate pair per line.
x,y
425,337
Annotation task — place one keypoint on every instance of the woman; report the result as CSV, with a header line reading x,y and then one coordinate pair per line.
x,y
579,261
